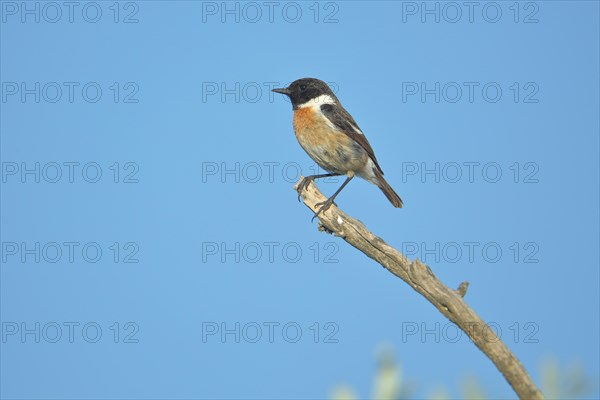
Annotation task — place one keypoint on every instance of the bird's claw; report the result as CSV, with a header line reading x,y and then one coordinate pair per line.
x,y
324,206
303,185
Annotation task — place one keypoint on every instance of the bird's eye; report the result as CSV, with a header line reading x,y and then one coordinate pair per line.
x,y
303,88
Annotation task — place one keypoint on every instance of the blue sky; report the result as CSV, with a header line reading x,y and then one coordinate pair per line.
x,y
149,227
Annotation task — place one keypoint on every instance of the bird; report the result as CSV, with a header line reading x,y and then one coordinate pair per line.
x,y
331,137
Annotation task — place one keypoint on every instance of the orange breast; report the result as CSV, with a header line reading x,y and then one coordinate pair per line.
x,y
312,130
304,118
332,149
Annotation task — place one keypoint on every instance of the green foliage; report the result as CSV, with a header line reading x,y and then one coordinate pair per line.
x,y
570,382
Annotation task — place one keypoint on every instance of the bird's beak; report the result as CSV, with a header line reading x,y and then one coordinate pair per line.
x,y
285,91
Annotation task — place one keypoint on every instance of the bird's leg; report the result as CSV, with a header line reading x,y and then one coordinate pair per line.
x,y
306,181
327,203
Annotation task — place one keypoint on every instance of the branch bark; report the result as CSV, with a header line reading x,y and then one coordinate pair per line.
x,y
420,277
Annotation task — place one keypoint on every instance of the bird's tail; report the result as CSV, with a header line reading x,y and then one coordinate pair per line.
x,y
387,189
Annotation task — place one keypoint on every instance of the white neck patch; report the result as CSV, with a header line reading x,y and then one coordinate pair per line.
x,y
318,101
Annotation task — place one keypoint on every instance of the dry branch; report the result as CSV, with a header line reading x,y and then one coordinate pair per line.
x,y
420,277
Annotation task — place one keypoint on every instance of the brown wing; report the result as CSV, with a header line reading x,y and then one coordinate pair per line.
x,y
345,123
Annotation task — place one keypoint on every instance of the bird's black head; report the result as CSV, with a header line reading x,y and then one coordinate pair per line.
x,y
306,89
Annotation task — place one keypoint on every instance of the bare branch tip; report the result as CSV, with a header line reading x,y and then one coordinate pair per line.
x,y
462,289
422,279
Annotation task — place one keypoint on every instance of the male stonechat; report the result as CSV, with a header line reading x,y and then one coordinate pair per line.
x,y
331,137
